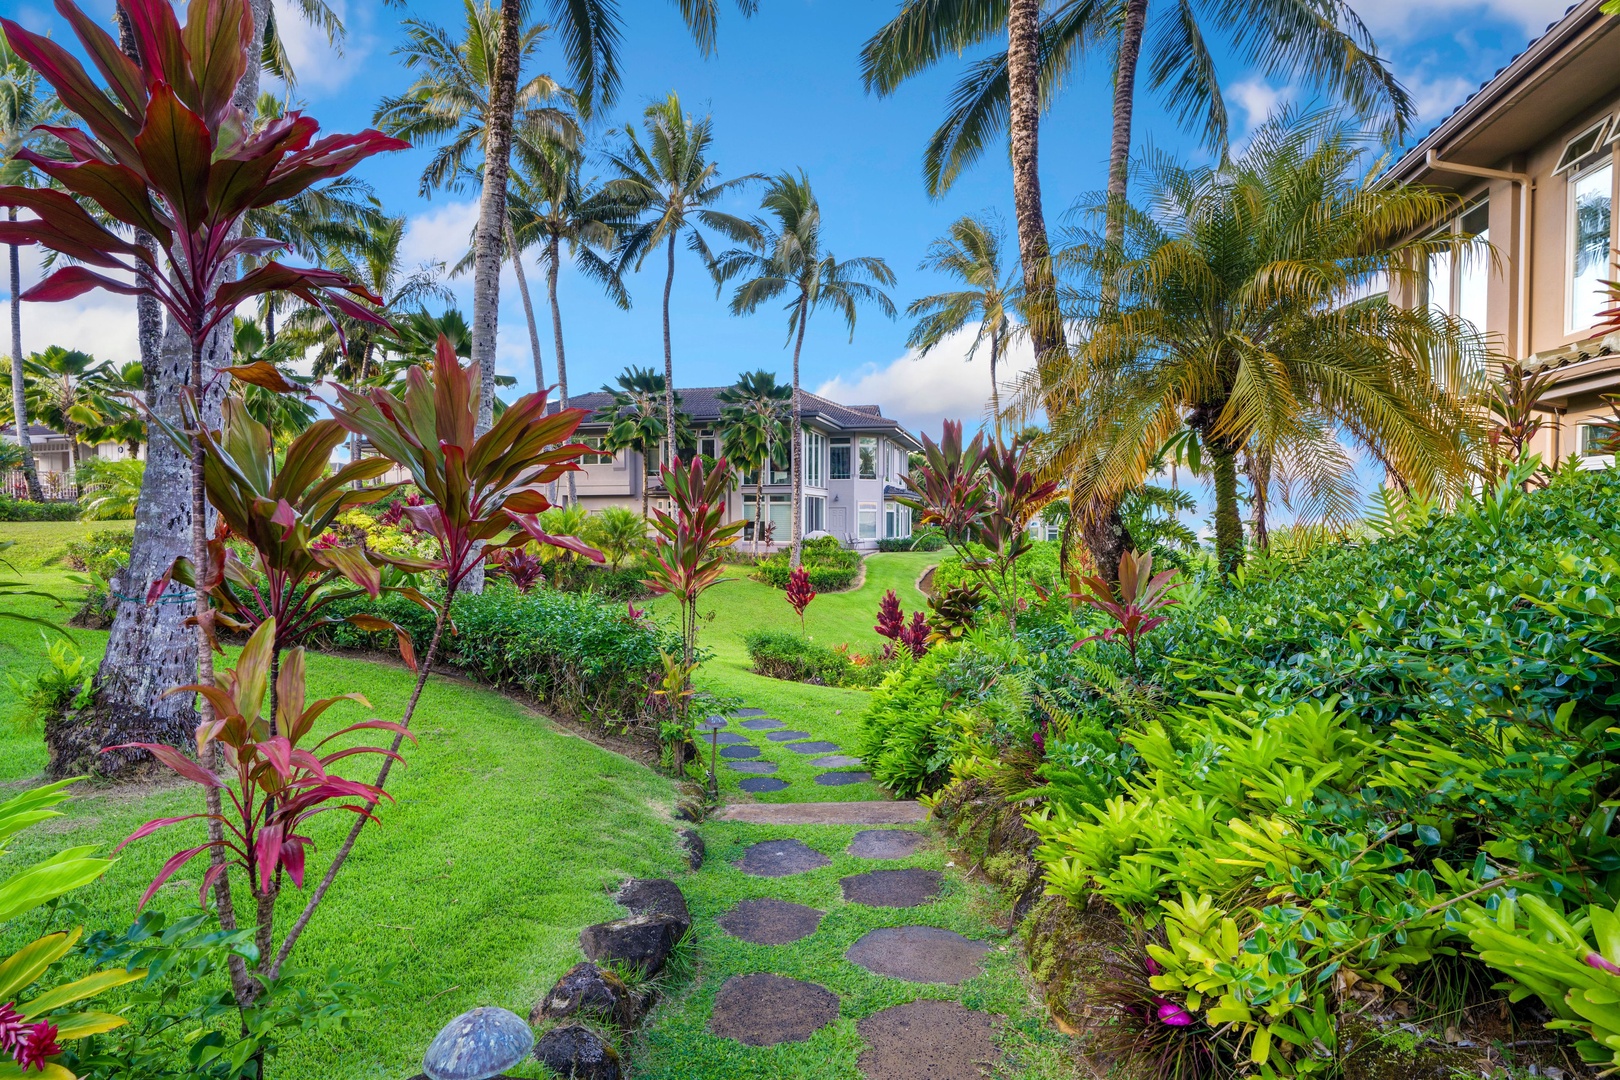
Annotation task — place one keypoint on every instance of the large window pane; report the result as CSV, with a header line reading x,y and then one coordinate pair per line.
x,y
1592,199
839,459
868,458
867,521
815,446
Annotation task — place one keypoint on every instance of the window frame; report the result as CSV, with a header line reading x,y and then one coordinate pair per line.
x,y
815,446
846,444
861,510
815,522
860,459
1572,254
1568,160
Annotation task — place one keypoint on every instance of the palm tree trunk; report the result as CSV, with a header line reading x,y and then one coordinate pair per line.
x,y
19,406
1228,525
1119,149
759,501
528,307
797,445
995,391
552,253
669,357
1023,131
269,325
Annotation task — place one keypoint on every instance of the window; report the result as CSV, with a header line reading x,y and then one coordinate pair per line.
x,y
595,442
707,445
891,520
815,514
1458,286
839,458
866,521
1591,210
868,458
778,511
1597,440
1581,145
815,446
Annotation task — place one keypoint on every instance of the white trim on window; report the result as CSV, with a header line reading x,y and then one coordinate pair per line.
x,y
1581,146
1582,305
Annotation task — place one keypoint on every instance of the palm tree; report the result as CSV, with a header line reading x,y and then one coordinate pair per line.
x,y
119,421
671,185
757,414
1232,312
971,253
25,101
637,420
68,389
551,206
788,259
285,415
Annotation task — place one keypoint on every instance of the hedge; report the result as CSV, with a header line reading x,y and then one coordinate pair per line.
x,y
782,654
23,510
831,567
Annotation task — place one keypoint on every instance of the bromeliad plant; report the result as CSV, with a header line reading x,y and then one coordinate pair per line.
x,y
690,543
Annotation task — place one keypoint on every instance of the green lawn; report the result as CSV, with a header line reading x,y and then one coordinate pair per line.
x,y
506,837
739,604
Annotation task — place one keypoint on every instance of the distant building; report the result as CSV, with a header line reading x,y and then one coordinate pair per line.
x,y
53,458
1533,154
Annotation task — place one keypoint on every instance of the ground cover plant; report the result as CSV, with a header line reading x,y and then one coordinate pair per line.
x,y
830,566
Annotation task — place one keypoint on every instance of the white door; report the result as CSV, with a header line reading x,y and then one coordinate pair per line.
x,y
838,523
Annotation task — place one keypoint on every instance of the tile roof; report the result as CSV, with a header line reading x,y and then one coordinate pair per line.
x,y
703,405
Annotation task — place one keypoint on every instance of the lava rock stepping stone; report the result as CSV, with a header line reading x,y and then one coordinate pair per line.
x,y
641,941
590,993
892,888
813,747
927,1040
762,724
727,738
759,784
747,712
779,858
757,767
480,1044
655,896
784,736
763,1010
839,779
734,753
770,922
691,845
885,843
921,954
836,761
577,1052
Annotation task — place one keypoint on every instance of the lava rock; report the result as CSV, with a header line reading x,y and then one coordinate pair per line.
x,y
588,991
655,896
692,844
690,810
641,941
478,1045
576,1052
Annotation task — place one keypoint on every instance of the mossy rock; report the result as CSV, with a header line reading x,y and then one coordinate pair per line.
x,y
1369,1052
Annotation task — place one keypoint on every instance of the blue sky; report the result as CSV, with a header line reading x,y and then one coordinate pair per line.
x,y
784,92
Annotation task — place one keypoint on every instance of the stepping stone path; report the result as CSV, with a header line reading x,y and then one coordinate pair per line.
x,y
779,858
757,784
839,779
885,843
747,712
892,888
784,736
836,761
754,766
770,922
762,724
920,954
927,1040
763,1010
734,753
813,747
729,738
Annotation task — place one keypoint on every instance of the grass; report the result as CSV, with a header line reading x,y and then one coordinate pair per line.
x,y
41,543
739,604
507,834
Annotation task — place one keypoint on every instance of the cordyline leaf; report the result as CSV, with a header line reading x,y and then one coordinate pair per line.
x,y
113,126
176,153
175,760
214,34
352,563
116,188
267,854
265,374
174,863
73,281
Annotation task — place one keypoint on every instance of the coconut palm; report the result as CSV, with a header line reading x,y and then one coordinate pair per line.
x,y
119,421
25,101
637,420
71,391
789,260
551,207
757,414
1231,311
285,415
671,185
971,253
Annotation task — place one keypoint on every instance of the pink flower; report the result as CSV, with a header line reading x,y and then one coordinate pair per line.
x,y
1596,960
11,1027
1172,1014
1152,966
28,1044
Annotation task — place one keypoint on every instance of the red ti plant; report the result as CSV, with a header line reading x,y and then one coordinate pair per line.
x,y
523,570
1017,495
1141,595
273,783
951,489
891,621
915,634
799,592
688,557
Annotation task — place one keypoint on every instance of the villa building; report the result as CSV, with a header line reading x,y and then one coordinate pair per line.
x,y
53,458
855,463
1533,154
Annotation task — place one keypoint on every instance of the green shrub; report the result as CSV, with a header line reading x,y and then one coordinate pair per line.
x,y
831,568
782,654
625,583
23,510
103,553
1038,570
927,538
578,655
907,738
64,682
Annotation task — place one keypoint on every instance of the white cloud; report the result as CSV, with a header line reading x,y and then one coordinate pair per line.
x,y
1257,98
440,234
921,392
99,323
1435,98
319,66
1403,18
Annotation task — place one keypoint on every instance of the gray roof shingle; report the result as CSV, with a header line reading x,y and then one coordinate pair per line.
x,y
702,404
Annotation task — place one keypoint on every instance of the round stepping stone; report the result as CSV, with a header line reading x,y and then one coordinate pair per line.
x,y
761,724
759,784
757,767
763,1010
892,888
920,954
784,736
839,779
836,761
770,922
727,738
885,843
747,712
736,753
927,1040
779,858
812,747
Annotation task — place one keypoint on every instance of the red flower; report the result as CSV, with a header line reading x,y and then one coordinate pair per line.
x,y
38,1044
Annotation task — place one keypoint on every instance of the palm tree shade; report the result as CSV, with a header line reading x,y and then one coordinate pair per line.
x,y
789,260
670,185
757,417
1232,310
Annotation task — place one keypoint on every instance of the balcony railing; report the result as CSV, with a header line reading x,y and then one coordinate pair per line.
x,y
56,487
